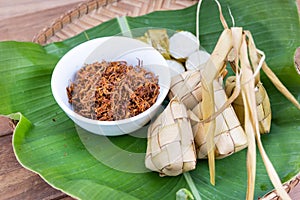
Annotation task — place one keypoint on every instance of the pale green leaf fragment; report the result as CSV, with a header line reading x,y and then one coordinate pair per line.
x,y
184,194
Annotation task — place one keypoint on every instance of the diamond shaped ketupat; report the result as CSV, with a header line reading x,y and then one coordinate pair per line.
x,y
170,148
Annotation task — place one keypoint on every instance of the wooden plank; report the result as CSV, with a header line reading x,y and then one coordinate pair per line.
x,y
24,27
10,9
17,182
6,126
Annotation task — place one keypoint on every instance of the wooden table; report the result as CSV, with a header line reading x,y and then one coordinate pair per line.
x,y
20,20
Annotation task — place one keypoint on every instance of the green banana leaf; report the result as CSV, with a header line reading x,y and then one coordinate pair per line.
x,y
88,166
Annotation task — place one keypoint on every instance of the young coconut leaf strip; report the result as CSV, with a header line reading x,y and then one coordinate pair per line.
x,y
205,119
257,109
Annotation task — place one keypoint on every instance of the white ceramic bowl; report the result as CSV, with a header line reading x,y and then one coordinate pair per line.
x,y
109,49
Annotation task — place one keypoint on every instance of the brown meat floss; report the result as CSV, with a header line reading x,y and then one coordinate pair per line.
x,y
109,91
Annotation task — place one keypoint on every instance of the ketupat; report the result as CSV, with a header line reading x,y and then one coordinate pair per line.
x,y
262,102
236,47
170,145
187,87
229,135
246,80
261,95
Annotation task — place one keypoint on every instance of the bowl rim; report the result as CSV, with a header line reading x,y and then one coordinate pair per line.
x,y
81,118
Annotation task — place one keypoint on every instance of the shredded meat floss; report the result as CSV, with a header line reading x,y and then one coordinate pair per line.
x,y
109,91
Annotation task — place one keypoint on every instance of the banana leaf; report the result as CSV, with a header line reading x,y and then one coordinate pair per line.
x,y
88,166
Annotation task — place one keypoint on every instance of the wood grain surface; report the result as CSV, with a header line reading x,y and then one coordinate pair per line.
x,y
20,20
